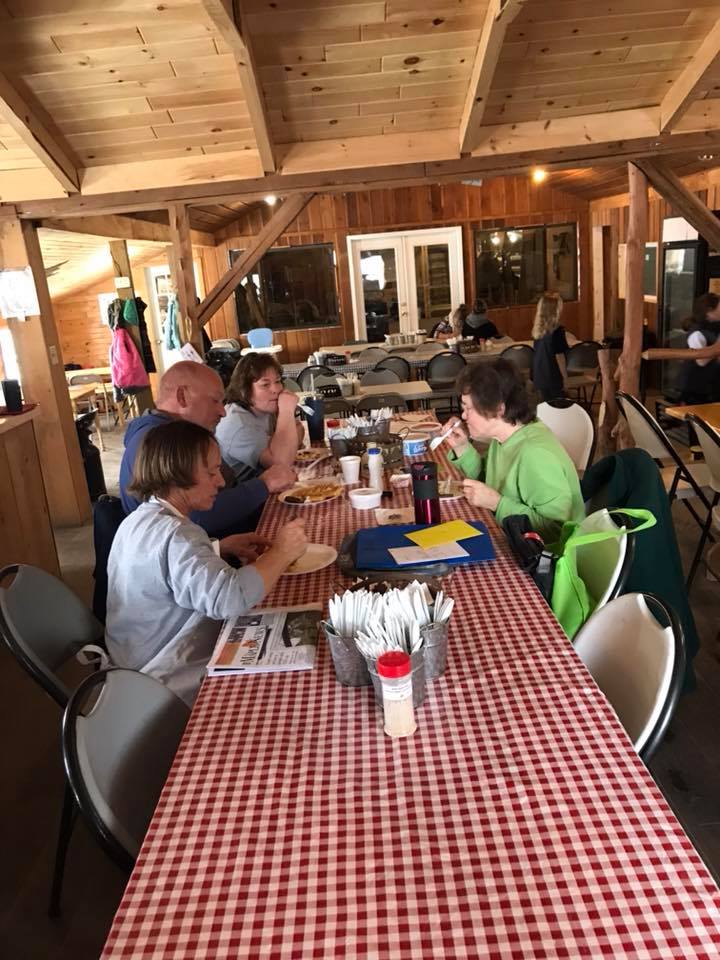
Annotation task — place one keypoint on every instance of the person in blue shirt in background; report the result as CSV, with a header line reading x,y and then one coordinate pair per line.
x,y
191,391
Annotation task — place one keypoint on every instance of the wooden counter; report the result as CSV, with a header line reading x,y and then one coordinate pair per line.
x,y
26,535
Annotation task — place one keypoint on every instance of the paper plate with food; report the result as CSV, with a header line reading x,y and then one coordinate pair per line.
x,y
312,455
316,557
312,492
450,489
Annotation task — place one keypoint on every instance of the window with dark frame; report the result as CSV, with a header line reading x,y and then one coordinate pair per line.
x,y
516,265
291,288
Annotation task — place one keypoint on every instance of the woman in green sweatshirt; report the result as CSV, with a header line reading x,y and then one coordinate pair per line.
x,y
525,469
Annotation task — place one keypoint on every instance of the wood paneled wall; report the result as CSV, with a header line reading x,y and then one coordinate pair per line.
x,y
502,202
613,212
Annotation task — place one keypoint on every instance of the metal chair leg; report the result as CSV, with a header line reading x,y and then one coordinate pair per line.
x,y
67,822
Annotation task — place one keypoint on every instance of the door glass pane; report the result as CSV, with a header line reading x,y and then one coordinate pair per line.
x,y
432,280
380,292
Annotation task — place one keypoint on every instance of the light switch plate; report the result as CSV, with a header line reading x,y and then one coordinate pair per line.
x,y
52,350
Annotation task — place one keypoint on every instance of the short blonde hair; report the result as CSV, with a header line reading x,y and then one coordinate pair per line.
x,y
168,457
547,315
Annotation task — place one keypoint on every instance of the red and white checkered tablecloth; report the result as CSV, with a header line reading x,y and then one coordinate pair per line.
x,y
516,823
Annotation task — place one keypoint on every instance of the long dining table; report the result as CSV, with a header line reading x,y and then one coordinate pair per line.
x,y
517,822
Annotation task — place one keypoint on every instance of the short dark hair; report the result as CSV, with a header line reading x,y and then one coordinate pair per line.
x,y
167,458
480,306
248,370
492,384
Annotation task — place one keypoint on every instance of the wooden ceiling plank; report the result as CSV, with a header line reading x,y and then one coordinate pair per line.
x,y
685,202
681,94
497,20
45,144
276,225
237,39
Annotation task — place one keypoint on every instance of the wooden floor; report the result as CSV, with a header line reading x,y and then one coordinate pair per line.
x,y
687,767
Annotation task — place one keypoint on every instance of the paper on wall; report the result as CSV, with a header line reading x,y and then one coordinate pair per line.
x,y
18,296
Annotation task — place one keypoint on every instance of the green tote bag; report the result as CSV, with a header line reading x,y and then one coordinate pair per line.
x,y
571,601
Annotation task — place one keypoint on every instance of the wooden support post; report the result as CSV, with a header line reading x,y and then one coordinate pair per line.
x,y
279,222
634,267
40,360
598,284
143,400
183,271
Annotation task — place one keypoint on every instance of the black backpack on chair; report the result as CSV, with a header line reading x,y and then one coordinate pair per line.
x,y
108,514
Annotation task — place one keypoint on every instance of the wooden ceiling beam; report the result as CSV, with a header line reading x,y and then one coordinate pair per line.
x,y
123,228
506,150
686,203
36,133
232,28
682,92
276,225
500,14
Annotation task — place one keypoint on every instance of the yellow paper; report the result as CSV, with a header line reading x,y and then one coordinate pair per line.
x,y
448,532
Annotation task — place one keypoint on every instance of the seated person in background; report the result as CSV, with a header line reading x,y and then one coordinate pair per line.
x,y
549,348
259,428
443,329
525,469
457,319
477,323
191,391
700,379
169,588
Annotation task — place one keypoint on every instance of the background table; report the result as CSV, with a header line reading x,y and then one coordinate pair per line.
x,y
517,822
709,412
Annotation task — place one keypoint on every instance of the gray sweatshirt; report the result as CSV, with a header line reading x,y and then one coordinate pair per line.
x,y
168,593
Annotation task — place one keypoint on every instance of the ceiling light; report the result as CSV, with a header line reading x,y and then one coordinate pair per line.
x,y
495,239
271,199
706,156
513,236
538,175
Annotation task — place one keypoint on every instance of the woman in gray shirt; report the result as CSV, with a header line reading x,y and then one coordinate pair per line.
x,y
259,427
169,586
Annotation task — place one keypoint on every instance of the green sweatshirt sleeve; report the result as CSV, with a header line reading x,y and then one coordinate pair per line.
x,y
542,494
470,462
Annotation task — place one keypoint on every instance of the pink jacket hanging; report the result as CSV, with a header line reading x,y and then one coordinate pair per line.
x,y
126,366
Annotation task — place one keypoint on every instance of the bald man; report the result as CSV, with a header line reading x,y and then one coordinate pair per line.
x,y
192,391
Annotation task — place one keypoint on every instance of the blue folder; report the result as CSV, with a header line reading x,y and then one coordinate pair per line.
x,y
372,545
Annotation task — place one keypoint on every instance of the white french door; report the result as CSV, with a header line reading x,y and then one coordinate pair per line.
x,y
405,280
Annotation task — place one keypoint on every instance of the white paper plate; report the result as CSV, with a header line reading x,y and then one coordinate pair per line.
x,y
293,492
316,557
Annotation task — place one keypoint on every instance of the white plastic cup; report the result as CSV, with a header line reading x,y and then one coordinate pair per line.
x,y
350,467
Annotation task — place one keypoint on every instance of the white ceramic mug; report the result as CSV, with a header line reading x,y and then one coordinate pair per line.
x,y
350,467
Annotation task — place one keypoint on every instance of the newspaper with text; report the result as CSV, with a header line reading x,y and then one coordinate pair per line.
x,y
268,641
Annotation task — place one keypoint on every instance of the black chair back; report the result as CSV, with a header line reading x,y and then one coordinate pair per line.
x,y
583,356
398,365
444,368
521,355
314,370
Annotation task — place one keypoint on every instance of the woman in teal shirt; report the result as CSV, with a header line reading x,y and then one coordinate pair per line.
x,y
525,468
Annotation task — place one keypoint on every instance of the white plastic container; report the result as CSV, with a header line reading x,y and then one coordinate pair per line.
x,y
365,498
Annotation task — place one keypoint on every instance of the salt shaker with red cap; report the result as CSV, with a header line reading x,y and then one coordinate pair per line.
x,y
394,671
